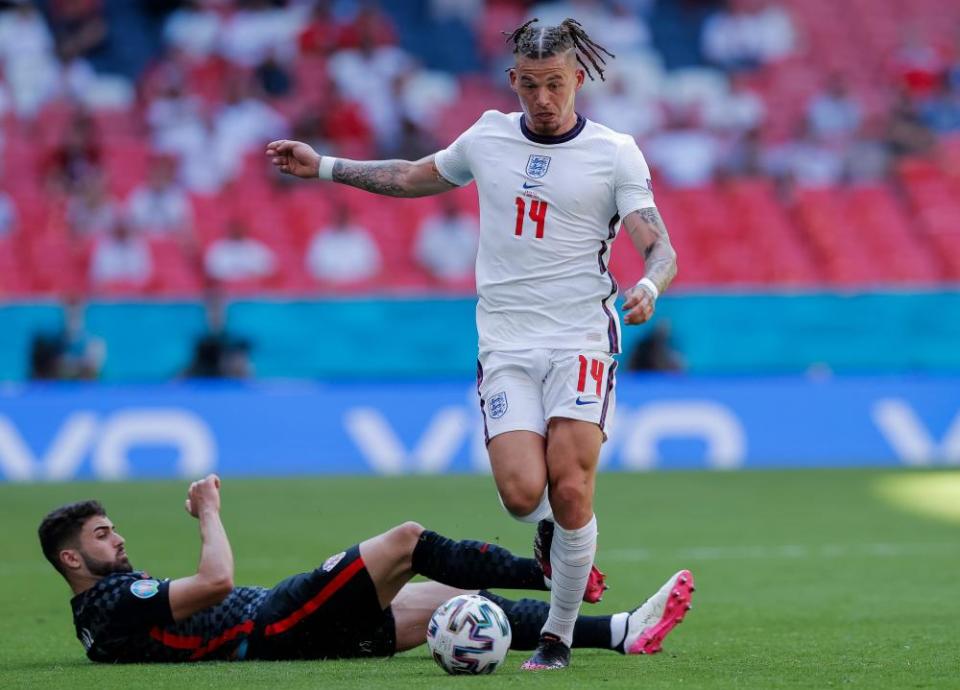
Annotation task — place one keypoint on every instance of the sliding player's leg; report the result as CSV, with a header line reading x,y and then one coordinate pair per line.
x,y
417,601
388,558
640,631
343,608
413,607
395,556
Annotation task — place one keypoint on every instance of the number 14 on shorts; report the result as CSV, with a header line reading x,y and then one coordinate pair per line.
x,y
595,368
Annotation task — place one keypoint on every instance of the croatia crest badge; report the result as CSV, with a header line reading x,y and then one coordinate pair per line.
x,y
537,166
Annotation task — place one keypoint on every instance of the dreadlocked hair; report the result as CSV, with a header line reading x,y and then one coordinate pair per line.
x,y
544,41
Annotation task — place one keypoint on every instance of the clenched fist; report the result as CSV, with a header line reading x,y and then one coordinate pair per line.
x,y
639,305
203,495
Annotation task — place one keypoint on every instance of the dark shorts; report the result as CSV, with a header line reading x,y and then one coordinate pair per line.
x,y
329,613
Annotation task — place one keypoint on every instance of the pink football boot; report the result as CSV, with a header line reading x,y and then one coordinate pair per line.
x,y
661,613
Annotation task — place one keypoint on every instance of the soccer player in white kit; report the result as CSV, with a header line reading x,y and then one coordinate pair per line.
x,y
554,189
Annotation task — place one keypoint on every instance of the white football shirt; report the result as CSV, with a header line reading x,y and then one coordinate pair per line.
x,y
550,207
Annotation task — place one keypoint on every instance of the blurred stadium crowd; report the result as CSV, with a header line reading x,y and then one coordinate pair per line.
x,y
793,142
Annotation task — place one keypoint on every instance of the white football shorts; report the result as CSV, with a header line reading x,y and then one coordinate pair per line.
x,y
523,390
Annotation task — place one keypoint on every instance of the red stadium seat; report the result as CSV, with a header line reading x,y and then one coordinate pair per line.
x,y
176,273
306,209
56,264
12,275
125,161
903,254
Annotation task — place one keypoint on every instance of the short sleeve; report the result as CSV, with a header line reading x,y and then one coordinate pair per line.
x,y
634,188
144,603
453,162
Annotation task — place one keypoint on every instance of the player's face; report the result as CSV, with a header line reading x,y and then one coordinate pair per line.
x,y
547,89
102,548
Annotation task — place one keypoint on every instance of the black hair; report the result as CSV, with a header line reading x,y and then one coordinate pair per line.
x,y
62,526
539,42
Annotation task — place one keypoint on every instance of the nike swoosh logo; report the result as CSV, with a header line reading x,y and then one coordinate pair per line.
x,y
527,185
586,402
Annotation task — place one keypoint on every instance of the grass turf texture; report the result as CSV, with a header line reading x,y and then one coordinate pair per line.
x,y
804,578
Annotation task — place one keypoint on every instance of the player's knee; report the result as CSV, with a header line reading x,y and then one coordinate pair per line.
x,y
520,501
409,532
570,498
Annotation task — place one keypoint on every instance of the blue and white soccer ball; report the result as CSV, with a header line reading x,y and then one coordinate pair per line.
x,y
469,634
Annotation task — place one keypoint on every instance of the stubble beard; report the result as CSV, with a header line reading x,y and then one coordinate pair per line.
x,y
103,568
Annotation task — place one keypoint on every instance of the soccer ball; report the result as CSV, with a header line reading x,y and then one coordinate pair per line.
x,y
468,634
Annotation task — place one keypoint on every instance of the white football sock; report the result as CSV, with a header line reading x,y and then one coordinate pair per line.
x,y
541,512
571,558
618,629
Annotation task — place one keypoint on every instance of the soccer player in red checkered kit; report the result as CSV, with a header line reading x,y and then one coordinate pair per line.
x,y
554,190
358,603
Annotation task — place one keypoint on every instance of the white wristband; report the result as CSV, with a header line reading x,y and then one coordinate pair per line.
x,y
650,285
326,167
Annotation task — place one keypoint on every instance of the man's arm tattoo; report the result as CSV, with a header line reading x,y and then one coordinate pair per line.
x,y
660,259
394,177
379,177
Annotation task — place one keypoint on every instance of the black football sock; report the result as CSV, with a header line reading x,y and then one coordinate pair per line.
x,y
474,564
527,617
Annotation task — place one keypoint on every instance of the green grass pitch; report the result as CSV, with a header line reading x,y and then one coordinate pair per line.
x,y
804,578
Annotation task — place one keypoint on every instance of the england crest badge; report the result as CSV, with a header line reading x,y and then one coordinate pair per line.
x,y
498,405
537,166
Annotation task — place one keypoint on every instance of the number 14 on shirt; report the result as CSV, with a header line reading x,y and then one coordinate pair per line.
x,y
538,214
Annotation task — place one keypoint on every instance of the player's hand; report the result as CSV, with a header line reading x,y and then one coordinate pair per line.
x,y
294,158
203,494
639,305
